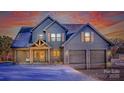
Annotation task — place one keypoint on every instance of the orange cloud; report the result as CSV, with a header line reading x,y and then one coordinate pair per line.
x,y
16,19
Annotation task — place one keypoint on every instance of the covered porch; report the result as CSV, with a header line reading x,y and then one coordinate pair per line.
x,y
37,53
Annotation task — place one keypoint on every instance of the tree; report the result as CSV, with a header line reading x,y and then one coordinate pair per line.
x,y
117,44
5,46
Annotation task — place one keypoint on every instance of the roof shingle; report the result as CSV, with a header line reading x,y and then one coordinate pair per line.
x,y
23,38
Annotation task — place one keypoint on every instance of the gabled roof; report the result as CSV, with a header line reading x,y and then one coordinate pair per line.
x,y
101,35
23,38
72,27
56,23
40,43
48,17
89,25
48,26
69,34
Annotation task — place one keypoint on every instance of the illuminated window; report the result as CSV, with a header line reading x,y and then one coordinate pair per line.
x,y
53,37
41,36
58,37
56,53
87,37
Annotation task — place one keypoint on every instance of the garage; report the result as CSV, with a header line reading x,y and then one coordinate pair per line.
x,y
77,57
94,59
97,58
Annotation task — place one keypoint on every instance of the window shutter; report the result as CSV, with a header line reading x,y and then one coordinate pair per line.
x,y
48,37
63,37
82,36
92,36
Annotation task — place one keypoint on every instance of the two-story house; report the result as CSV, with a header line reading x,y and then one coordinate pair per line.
x,y
50,42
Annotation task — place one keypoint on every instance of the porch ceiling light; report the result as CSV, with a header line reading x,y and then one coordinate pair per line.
x,y
41,36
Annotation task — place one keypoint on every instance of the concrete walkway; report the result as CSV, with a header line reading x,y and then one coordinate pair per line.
x,y
41,73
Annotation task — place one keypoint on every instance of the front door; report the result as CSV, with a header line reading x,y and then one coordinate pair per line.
x,y
39,56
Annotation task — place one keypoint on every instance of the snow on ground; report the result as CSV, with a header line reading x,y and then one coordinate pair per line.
x,y
40,73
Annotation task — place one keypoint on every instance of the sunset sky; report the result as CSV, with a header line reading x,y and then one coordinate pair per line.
x,y
109,23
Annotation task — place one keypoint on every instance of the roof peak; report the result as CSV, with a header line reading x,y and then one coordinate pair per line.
x,y
48,16
44,19
94,29
55,21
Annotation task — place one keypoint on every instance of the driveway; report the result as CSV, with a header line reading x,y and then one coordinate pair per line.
x,y
41,73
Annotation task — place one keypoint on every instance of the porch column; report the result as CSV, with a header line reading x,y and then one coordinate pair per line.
x,y
88,59
31,55
49,55
15,55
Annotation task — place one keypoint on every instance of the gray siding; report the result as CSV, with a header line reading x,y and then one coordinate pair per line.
x,y
39,29
55,28
76,44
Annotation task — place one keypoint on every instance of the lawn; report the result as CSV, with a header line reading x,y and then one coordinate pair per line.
x,y
17,72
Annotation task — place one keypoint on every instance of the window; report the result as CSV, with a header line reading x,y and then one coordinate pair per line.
x,y
56,53
87,37
53,37
58,37
41,36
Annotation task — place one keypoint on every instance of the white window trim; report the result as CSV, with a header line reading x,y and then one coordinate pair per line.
x,y
51,38
56,37
87,37
60,37
91,37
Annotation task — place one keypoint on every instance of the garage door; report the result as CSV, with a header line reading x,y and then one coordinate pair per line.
x,y
77,57
97,59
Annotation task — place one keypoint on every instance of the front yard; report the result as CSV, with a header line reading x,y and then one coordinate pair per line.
x,y
40,72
